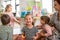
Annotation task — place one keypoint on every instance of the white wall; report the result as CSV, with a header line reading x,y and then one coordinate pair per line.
x,y
47,4
13,5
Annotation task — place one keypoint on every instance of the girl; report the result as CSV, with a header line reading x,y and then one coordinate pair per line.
x,y
29,30
6,31
8,10
47,32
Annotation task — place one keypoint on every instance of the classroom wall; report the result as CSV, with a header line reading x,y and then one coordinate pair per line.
x,y
47,4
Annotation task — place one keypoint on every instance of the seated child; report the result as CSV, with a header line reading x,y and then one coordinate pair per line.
x,y
46,29
29,30
55,34
6,31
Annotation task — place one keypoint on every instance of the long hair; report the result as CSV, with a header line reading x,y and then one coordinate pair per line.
x,y
57,1
45,18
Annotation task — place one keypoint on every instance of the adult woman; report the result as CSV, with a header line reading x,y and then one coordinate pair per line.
x,y
56,16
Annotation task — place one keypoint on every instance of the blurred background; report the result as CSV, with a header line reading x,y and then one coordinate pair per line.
x,y
21,7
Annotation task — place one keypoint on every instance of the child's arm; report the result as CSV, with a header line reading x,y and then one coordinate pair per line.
x,y
18,21
42,33
48,30
15,36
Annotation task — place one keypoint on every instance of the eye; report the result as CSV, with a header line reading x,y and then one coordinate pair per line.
x,y
54,4
29,18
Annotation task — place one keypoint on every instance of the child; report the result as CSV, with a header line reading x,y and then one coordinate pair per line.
x,y
8,11
45,27
55,34
29,30
6,31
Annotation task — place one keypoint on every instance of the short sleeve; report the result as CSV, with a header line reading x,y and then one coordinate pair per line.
x,y
23,29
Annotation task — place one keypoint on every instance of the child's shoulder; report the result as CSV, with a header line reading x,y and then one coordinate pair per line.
x,y
5,27
47,26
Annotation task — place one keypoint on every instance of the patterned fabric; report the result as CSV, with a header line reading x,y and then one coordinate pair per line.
x,y
6,32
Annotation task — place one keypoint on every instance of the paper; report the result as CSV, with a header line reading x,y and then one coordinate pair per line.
x,y
17,31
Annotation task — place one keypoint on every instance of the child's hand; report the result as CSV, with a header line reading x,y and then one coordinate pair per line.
x,y
38,26
19,22
34,37
23,36
42,34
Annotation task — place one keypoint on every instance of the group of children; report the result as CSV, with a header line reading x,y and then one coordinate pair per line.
x,y
46,30
29,31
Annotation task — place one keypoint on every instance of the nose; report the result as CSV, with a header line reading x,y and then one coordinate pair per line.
x,y
28,20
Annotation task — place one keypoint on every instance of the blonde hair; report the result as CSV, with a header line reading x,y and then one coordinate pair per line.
x,y
9,5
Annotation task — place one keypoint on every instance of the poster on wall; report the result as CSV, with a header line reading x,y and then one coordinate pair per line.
x,y
37,8
26,5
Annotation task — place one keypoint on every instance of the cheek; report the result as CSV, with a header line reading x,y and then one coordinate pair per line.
x,y
59,7
42,22
31,20
10,9
56,8
26,20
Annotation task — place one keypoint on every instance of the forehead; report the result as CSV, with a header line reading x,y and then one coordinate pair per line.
x,y
28,16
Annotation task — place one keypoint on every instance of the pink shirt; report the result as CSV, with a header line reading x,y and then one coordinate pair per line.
x,y
48,29
11,18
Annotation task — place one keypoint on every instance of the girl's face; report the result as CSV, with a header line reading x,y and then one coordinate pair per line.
x,y
56,5
28,20
42,22
9,9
